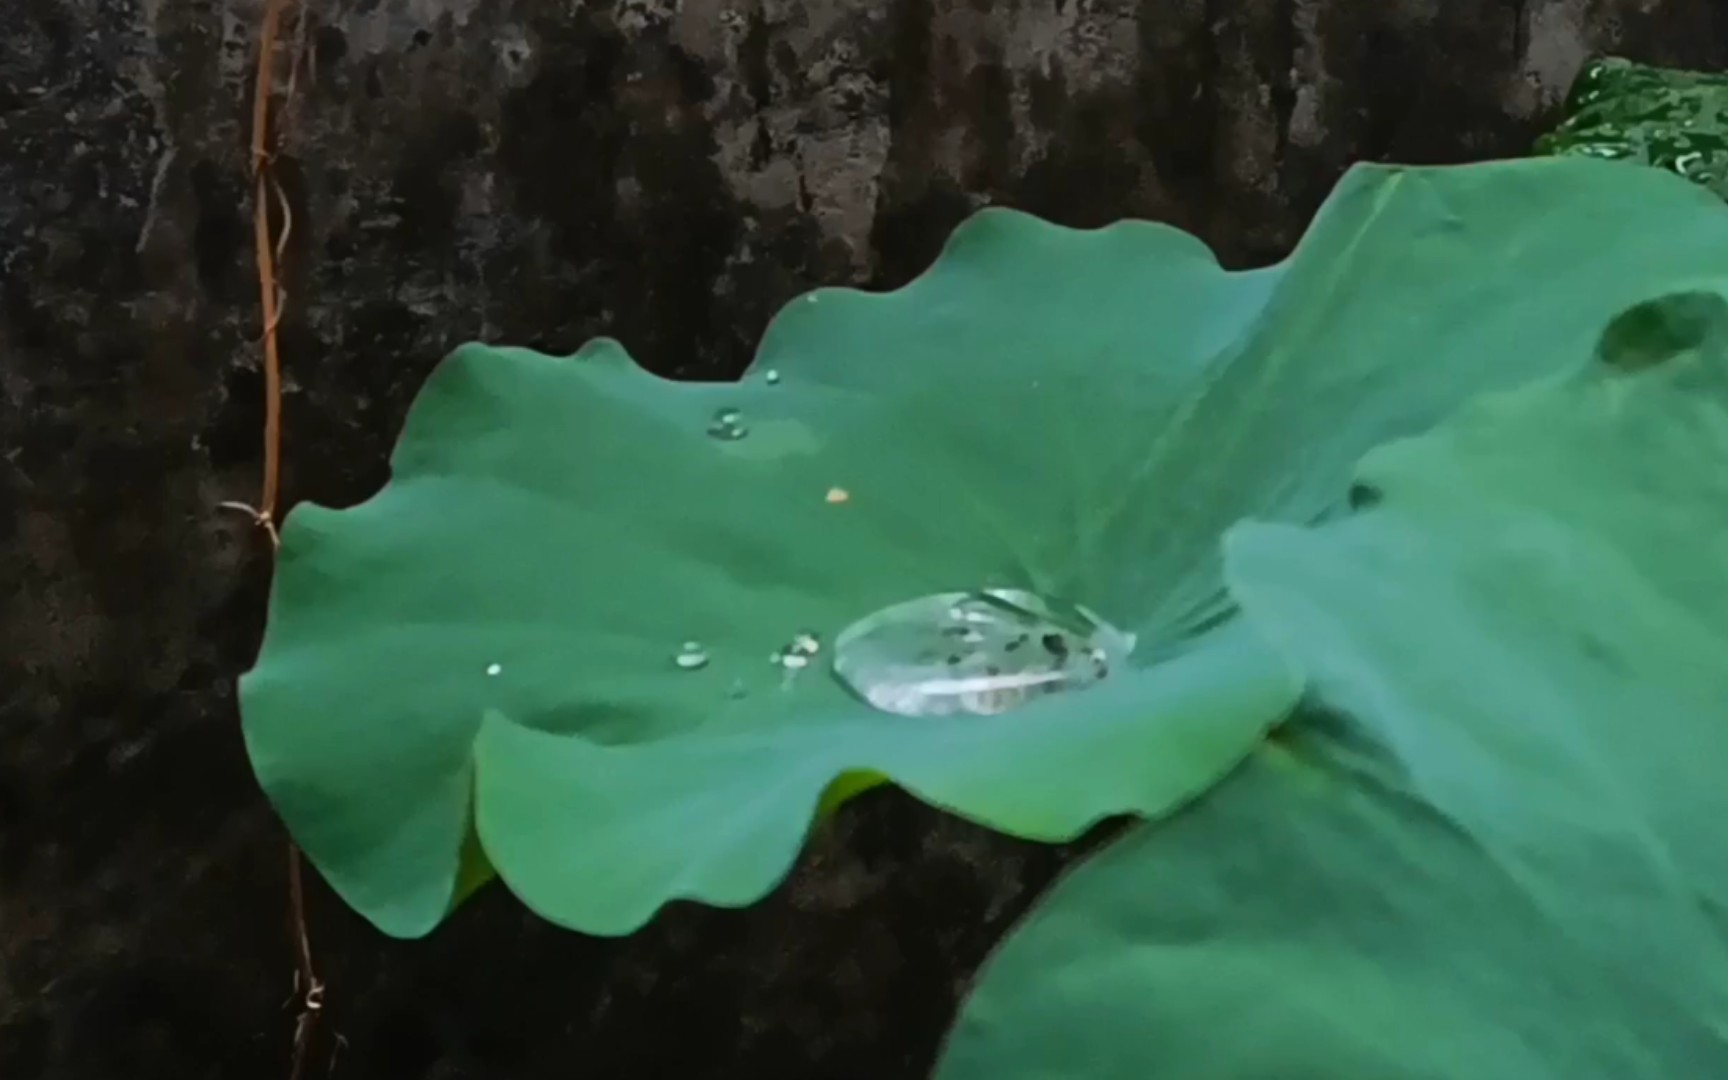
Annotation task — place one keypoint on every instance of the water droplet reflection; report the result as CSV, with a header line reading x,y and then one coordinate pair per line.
x,y
975,653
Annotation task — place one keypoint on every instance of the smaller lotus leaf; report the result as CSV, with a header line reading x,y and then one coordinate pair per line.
x,y
1672,119
554,627
1491,844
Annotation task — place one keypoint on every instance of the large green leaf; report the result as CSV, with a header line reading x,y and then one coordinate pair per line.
x,y
1080,414
1492,846
1665,117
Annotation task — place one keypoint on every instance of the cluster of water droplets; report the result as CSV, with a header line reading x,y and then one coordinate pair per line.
x,y
976,653
796,655
979,652
691,657
728,423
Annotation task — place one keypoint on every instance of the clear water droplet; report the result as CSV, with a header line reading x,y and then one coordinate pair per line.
x,y
804,644
692,657
771,377
796,655
728,425
494,669
975,653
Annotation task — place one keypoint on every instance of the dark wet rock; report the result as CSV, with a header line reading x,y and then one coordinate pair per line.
x,y
538,173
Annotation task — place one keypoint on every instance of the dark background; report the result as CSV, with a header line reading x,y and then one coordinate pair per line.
x,y
536,173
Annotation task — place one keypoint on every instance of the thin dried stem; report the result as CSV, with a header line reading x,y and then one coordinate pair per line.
x,y
305,975
272,298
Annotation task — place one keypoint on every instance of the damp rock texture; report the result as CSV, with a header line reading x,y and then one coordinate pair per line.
x,y
536,173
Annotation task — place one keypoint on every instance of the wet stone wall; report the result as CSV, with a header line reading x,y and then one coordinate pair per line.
x,y
536,172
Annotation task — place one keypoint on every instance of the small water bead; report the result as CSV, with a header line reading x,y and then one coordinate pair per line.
x,y
494,669
976,653
771,377
797,654
728,425
799,651
692,657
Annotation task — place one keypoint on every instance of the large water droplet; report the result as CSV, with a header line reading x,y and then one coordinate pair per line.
x,y
728,425
975,653
692,657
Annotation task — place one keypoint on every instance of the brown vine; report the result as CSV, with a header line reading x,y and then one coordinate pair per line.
x,y
269,249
